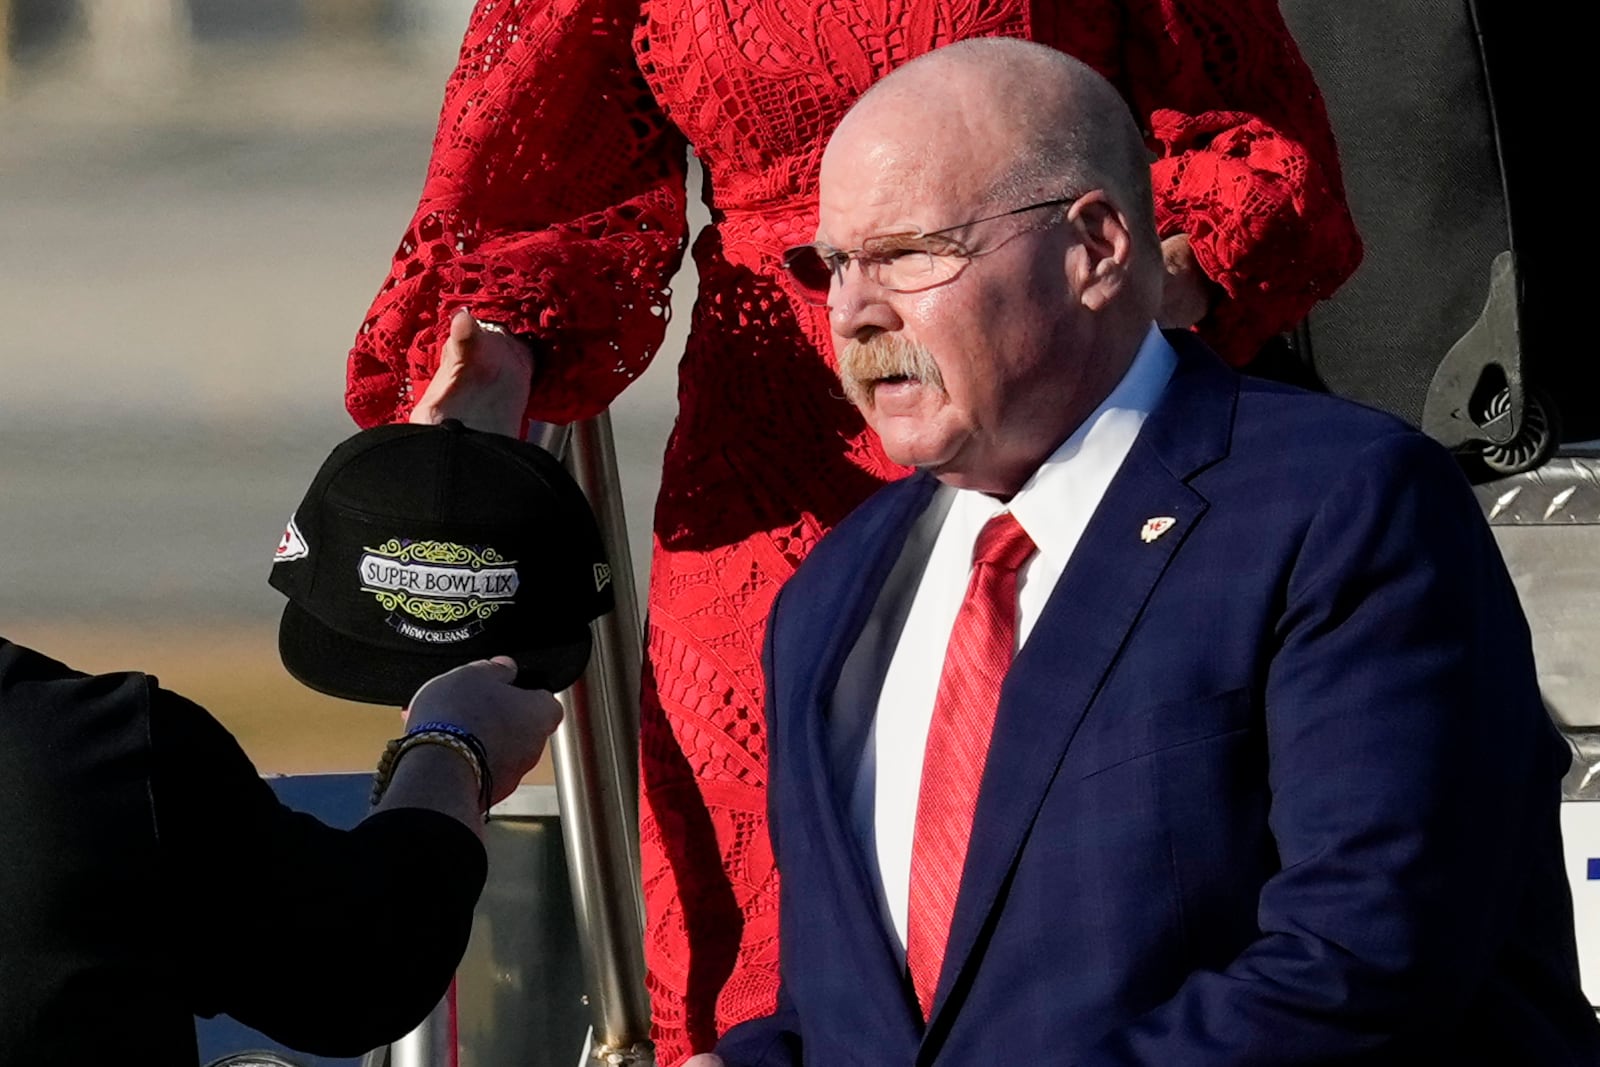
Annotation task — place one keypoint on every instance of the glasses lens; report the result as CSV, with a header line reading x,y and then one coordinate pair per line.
x,y
809,271
908,271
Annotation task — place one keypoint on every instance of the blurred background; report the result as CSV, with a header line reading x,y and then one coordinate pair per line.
x,y
198,200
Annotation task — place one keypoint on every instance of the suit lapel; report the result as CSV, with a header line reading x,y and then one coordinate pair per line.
x,y
839,617
1085,623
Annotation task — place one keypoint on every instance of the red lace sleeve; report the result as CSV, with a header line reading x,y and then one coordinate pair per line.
x,y
1248,167
554,204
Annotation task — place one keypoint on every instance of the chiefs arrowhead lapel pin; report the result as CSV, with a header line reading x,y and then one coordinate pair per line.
x,y
1154,528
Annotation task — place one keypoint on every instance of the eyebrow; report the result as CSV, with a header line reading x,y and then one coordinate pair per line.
x,y
920,241
893,240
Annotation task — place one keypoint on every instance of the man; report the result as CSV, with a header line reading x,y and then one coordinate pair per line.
x,y
149,874
1268,781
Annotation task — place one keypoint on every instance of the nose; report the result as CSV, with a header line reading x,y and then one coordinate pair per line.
x,y
859,308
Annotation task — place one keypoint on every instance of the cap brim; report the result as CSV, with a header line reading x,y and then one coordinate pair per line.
x,y
554,667
334,663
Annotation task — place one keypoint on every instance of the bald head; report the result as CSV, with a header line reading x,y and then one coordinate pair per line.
x,y
1008,121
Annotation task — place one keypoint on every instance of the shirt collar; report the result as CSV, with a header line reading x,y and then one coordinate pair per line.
x,y
1055,504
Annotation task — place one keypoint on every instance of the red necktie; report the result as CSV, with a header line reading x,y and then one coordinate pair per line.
x,y
982,643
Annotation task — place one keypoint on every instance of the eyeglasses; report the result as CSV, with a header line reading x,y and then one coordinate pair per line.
x,y
900,262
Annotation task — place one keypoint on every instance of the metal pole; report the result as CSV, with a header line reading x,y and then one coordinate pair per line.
x,y
620,635
596,770
433,1042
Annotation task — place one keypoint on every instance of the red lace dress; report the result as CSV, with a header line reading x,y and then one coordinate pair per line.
x,y
554,203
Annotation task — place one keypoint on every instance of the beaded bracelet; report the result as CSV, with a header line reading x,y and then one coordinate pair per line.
x,y
462,742
462,734
401,745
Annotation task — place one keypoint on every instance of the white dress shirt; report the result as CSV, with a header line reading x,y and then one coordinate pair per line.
x,y
884,699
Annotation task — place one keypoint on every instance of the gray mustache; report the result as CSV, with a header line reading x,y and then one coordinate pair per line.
x,y
862,364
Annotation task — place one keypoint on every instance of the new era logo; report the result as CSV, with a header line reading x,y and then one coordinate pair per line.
x,y
602,576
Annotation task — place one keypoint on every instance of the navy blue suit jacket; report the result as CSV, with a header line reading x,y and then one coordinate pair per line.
x,y
1275,788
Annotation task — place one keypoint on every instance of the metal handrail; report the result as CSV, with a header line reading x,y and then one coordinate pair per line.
x,y
595,757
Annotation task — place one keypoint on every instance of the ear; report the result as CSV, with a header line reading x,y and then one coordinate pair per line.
x,y
1098,263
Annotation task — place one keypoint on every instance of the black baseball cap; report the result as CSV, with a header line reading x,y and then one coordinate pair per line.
x,y
420,548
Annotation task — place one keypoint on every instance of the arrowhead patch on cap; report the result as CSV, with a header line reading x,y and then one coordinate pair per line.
x,y
291,545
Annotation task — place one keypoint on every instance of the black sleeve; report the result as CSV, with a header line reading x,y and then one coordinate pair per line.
x,y
330,941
